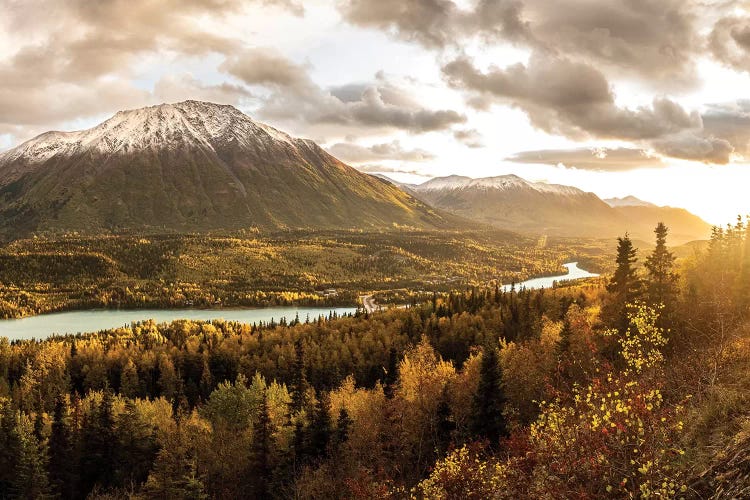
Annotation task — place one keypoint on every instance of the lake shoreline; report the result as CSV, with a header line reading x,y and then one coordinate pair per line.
x,y
74,321
88,321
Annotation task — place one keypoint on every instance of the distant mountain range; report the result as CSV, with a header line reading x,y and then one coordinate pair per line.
x,y
510,202
627,201
198,166
191,166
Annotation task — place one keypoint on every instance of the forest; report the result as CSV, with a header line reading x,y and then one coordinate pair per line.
x,y
622,389
249,270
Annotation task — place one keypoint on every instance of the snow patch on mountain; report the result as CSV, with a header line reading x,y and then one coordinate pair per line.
x,y
503,182
180,125
627,201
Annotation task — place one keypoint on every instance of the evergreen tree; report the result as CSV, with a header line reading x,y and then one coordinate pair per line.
x,y
261,471
299,383
343,426
563,345
320,428
624,287
30,479
487,420
391,373
10,447
137,447
98,446
661,287
445,425
175,473
61,458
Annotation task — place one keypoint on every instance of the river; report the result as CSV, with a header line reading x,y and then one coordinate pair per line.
x,y
574,273
44,325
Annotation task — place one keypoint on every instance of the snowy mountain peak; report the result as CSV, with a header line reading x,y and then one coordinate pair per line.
x,y
503,182
184,124
628,201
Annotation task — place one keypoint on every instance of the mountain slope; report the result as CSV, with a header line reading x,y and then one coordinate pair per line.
x,y
627,201
190,166
683,225
510,202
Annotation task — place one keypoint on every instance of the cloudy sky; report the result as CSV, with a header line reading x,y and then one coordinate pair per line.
x,y
619,97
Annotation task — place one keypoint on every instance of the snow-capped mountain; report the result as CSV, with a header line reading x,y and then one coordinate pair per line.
x,y
184,124
627,201
503,182
190,166
510,202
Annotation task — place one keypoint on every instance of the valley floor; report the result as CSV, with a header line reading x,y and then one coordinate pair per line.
x,y
303,268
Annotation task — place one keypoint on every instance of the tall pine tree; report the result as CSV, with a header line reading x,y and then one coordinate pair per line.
x,y
260,474
624,287
661,286
487,420
61,469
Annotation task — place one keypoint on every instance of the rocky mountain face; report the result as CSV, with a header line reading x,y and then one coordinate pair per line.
x,y
510,202
191,166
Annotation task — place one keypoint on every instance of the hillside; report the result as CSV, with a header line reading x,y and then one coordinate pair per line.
x,y
190,166
512,203
684,226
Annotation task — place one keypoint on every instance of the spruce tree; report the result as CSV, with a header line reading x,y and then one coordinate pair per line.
x,y
320,428
390,377
261,471
137,447
10,447
343,426
487,420
445,425
624,287
99,443
563,345
61,470
30,478
661,287
299,383
175,472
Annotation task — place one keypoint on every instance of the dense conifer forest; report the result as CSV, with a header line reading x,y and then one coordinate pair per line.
x,y
624,390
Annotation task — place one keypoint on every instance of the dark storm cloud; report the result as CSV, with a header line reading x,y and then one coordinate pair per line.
x,y
387,151
295,97
599,159
568,98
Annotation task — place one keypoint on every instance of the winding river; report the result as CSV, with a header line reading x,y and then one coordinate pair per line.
x,y
574,273
44,325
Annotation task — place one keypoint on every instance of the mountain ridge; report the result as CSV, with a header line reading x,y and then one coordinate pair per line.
x,y
512,203
191,166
